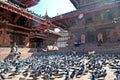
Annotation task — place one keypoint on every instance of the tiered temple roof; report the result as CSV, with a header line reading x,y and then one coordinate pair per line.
x,y
65,20
25,3
20,23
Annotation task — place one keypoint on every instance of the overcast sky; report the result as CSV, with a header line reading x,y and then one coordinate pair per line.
x,y
53,7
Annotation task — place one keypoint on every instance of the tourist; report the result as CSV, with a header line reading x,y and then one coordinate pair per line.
x,y
100,43
118,42
14,49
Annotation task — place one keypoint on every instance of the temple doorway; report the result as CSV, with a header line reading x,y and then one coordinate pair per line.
x,y
36,43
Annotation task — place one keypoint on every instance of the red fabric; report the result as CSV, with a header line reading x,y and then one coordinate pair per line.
x,y
40,27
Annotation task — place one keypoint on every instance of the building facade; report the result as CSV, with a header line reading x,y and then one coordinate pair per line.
x,y
63,41
93,20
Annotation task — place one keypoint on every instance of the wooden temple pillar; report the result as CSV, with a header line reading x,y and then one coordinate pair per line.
x,y
4,37
27,41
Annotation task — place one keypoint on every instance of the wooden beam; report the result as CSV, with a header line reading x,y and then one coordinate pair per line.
x,y
19,32
4,13
27,23
16,18
21,27
1,29
1,22
12,25
38,37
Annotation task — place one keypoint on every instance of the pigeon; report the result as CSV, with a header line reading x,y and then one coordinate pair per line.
x,y
80,72
72,74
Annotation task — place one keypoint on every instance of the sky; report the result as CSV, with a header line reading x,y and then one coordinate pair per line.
x,y
53,7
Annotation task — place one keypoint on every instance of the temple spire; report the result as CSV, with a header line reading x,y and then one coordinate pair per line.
x,y
46,14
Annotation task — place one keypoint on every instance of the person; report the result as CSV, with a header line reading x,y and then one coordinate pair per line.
x,y
118,42
91,53
14,49
100,43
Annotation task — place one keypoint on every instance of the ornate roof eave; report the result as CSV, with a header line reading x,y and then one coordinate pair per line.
x,y
74,14
34,36
21,12
31,3
83,12
53,32
75,3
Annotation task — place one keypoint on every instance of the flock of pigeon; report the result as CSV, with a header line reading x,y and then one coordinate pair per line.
x,y
54,65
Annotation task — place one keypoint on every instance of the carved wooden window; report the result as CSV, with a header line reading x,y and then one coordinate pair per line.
x,y
108,15
88,19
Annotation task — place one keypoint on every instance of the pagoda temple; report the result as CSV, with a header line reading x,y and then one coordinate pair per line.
x,y
22,26
93,20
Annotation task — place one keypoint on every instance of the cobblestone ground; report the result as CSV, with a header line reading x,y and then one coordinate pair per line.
x,y
86,76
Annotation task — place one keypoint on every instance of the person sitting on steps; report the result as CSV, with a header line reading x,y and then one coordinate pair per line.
x,y
14,51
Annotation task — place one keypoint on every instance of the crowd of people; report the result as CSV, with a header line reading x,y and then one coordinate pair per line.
x,y
70,66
